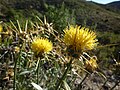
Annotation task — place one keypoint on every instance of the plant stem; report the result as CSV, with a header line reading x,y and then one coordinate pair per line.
x,y
64,75
15,70
38,70
115,85
80,85
104,84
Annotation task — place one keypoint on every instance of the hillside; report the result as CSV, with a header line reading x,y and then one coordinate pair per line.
x,y
115,5
94,13
86,13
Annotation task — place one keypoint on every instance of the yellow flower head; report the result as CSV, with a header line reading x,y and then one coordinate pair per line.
x,y
91,64
40,45
79,39
1,28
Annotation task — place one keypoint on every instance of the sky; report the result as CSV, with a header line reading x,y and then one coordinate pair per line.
x,y
103,1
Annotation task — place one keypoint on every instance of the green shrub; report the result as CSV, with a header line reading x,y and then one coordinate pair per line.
x,y
59,16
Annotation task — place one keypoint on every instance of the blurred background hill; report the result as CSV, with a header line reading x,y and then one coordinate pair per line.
x,y
89,13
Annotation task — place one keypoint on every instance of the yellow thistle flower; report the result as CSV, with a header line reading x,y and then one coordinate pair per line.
x,y
1,28
91,64
79,39
40,45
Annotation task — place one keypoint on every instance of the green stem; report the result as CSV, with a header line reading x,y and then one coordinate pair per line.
x,y
38,70
64,75
15,70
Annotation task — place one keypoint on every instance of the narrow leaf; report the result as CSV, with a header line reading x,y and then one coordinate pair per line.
x,y
36,86
24,72
66,85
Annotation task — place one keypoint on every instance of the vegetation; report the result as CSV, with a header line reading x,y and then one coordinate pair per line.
x,y
71,29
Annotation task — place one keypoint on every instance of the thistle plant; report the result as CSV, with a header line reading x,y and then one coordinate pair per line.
x,y
78,40
40,46
35,60
91,65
